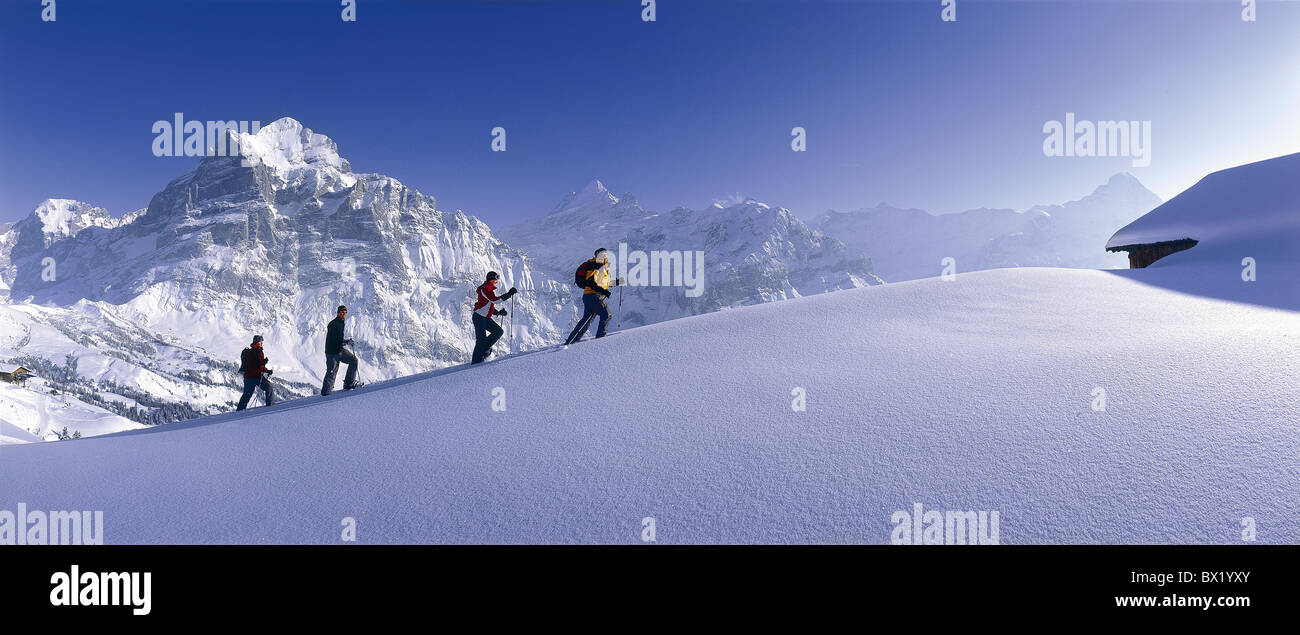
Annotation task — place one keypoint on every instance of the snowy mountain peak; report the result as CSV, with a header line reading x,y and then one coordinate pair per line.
x,y
594,195
285,144
1122,184
65,217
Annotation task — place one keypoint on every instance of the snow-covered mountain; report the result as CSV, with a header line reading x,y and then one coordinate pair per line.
x,y
753,253
906,244
53,220
230,250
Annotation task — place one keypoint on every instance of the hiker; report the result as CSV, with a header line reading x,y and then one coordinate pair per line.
x,y
593,277
335,353
256,374
486,330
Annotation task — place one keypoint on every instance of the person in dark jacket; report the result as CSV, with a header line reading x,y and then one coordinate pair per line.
x,y
335,353
256,374
486,330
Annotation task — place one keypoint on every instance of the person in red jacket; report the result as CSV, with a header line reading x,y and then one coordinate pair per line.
x,y
486,330
256,374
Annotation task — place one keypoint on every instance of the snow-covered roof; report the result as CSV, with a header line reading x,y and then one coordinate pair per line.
x,y
1248,204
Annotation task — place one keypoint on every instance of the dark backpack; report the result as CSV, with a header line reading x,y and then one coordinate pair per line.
x,y
243,361
580,276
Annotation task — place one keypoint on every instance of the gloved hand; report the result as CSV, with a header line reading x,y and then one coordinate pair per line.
x,y
501,312
618,282
512,291
604,293
269,371
348,341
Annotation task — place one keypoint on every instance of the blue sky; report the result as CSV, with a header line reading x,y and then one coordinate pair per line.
x,y
697,106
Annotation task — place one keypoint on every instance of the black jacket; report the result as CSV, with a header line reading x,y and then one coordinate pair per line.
x,y
334,337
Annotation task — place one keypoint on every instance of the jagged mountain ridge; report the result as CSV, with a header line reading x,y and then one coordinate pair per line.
x,y
753,252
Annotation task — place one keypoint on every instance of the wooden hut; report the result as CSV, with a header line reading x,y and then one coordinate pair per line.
x,y
1142,255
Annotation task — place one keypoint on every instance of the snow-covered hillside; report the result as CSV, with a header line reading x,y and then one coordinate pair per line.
x,y
974,394
906,244
38,411
753,252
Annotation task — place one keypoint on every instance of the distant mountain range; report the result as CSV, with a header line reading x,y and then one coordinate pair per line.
x,y
753,252
906,244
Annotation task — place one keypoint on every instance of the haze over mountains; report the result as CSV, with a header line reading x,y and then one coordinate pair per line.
x,y
906,244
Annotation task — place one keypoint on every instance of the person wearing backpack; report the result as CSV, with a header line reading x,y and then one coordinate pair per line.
x,y
486,330
335,353
593,277
256,374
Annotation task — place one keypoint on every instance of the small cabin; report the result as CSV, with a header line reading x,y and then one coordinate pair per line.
x,y
18,376
1140,256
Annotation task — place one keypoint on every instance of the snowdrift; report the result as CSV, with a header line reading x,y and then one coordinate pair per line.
x,y
971,394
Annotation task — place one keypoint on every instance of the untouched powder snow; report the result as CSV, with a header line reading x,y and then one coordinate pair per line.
x,y
968,395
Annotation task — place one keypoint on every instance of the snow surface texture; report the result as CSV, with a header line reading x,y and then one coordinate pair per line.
x,y
970,394
907,244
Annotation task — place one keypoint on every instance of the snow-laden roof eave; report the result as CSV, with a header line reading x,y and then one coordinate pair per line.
x,y
1158,243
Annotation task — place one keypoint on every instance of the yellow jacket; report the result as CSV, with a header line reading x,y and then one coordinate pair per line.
x,y
598,274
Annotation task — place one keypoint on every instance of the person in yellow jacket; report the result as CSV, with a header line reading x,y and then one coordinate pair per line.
x,y
594,278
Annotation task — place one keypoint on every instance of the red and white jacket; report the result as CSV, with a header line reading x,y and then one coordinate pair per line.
x,y
486,296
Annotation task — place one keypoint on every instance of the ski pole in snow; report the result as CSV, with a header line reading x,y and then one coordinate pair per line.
x,y
512,317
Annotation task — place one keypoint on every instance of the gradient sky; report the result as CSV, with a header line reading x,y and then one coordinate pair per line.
x,y
695,107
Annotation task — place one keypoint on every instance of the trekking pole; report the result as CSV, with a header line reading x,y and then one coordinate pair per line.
x,y
620,307
512,317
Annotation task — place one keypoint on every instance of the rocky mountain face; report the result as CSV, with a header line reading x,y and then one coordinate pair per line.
x,y
230,250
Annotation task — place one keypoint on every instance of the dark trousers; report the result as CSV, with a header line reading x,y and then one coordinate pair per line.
x,y
332,369
251,384
486,333
592,306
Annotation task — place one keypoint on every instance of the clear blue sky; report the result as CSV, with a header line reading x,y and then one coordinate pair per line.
x,y
695,107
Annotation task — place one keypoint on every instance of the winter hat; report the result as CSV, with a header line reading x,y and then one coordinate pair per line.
x,y
257,339
600,250
341,309
492,275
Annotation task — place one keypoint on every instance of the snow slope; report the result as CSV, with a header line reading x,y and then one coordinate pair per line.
x,y
32,413
973,394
